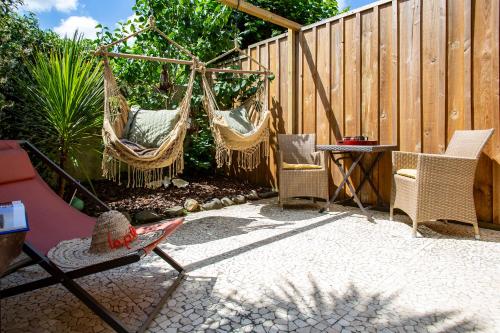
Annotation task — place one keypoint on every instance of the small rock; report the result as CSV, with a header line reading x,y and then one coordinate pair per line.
x,y
239,199
174,211
226,201
147,216
252,195
179,183
191,205
212,204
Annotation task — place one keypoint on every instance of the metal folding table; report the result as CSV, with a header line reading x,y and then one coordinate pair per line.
x,y
356,154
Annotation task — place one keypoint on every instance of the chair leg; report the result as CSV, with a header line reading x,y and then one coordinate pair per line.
x,y
391,213
476,231
415,226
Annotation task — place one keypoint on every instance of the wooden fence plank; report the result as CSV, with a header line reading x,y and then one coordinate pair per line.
x,y
433,76
495,70
456,88
300,84
323,109
282,101
410,124
387,83
483,106
352,84
369,89
309,68
276,111
337,92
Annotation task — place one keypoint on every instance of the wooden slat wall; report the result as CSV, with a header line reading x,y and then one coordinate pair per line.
x,y
408,72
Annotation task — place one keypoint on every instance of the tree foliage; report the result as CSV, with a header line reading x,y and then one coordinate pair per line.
x,y
20,38
8,6
301,11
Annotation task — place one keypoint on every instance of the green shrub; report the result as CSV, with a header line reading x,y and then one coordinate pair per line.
x,y
68,89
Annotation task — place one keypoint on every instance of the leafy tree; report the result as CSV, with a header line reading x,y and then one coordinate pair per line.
x,y
8,6
68,90
20,37
301,11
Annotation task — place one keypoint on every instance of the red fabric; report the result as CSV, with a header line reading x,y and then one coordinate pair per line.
x,y
51,219
9,144
168,226
15,166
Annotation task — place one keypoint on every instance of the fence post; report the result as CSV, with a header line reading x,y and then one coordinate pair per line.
x,y
292,80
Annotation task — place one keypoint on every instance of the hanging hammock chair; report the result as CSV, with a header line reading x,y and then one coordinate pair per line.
x,y
243,129
145,164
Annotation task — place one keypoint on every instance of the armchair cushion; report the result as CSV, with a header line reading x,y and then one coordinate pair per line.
x,y
410,173
300,166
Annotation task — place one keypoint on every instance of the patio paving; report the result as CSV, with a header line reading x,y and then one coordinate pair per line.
x,y
253,268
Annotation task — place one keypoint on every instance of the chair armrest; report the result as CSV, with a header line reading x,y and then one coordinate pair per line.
x,y
444,172
404,160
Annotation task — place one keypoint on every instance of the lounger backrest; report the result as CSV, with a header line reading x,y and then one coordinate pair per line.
x,y
468,143
16,166
51,219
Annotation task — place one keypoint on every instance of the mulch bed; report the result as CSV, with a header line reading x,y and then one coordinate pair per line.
x,y
132,200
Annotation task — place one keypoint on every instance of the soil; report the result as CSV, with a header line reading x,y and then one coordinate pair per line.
x,y
132,200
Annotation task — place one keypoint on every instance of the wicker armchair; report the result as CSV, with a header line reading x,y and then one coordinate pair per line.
x,y
431,187
302,170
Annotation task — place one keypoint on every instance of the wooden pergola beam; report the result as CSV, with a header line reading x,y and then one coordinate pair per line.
x,y
263,14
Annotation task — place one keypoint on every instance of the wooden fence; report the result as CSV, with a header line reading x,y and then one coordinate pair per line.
x,y
408,72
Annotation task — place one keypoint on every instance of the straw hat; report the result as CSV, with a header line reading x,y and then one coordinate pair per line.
x,y
112,237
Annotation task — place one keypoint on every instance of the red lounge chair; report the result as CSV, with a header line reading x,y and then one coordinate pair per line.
x,y
46,213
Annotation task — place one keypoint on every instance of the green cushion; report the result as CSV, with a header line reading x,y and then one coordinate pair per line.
x,y
149,128
237,119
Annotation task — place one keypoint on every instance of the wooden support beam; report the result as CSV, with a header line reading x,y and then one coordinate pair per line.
x,y
263,14
144,57
291,115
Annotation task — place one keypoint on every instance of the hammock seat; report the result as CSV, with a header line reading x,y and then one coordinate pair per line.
x,y
252,145
145,164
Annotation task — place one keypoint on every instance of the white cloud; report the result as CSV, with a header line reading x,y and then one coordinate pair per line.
x,y
84,24
342,4
48,5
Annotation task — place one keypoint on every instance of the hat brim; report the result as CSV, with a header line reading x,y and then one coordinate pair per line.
x,y
74,253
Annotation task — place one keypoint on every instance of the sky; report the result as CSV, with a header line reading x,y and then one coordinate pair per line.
x,y
65,16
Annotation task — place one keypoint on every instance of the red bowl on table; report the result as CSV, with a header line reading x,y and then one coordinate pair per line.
x,y
357,141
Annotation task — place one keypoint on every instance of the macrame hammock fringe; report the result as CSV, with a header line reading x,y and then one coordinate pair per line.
x,y
250,148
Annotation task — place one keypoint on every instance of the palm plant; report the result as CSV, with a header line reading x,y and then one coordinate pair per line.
x,y
68,89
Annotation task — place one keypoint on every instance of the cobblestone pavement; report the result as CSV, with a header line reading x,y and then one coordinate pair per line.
x,y
254,268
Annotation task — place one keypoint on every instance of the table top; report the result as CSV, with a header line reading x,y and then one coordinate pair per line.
x,y
356,148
